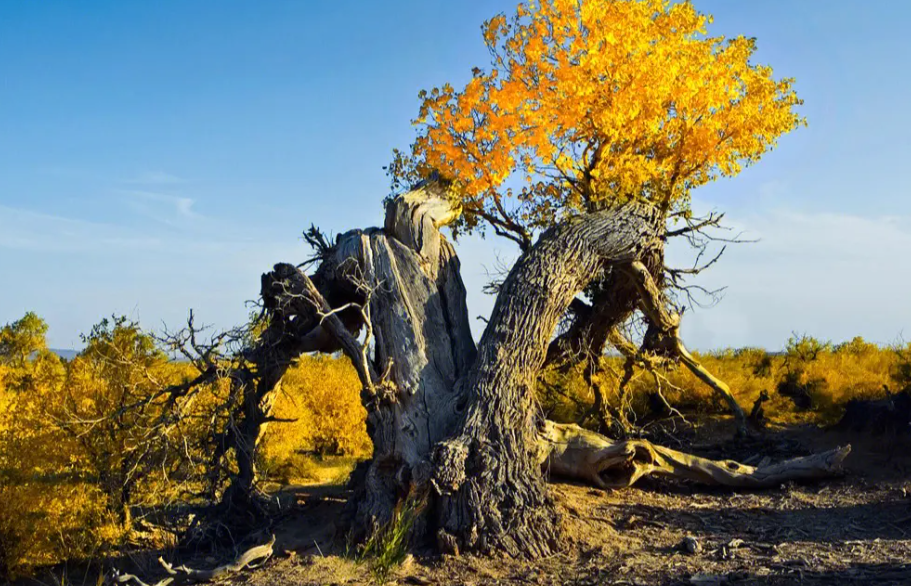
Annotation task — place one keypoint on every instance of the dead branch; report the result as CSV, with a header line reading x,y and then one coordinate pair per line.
x,y
186,575
668,324
298,285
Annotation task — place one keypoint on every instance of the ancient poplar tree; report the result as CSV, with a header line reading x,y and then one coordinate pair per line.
x,y
593,124
582,143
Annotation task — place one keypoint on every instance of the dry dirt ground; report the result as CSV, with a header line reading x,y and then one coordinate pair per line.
x,y
850,530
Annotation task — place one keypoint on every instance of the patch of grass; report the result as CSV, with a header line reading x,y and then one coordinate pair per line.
x,y
387,547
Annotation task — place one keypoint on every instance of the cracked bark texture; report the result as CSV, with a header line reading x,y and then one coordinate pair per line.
x,y
422,341
496,498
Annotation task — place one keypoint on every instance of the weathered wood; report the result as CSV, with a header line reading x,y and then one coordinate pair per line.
x,y
502,503
422,340
186,575
570,451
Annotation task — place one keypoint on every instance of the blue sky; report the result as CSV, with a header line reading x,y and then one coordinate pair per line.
x,y
159,156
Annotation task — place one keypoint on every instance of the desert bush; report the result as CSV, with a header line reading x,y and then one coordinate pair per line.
x,y
564,394
823,377
82,445
901,370
758,360
831,375
321,394
112,441
49,509
73,461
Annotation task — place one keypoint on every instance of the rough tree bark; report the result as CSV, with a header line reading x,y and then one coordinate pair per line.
x,y
494,496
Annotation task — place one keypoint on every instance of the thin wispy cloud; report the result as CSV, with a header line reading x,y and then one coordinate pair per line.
x,y
162,207
24,230
155,178
27,230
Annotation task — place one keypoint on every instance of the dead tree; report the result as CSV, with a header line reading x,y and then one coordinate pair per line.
x,y
458,426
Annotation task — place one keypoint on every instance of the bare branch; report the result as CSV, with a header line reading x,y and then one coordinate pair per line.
x,y
185,575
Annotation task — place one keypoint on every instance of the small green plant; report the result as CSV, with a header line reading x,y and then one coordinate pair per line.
x,y
387,547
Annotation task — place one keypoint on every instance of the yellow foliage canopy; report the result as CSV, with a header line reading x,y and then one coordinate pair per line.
x,y
596,101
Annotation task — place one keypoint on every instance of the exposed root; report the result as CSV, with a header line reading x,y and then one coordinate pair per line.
x,y
570,451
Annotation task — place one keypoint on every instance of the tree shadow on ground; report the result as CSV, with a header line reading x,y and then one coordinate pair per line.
x,y
861,522
855,574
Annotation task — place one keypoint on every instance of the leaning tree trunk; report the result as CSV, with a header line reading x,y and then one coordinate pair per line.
x,y
494,493
256,381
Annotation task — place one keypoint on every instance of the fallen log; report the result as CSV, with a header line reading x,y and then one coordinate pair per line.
x,y
569,451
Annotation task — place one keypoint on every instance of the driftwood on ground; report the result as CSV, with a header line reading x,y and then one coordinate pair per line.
x,y
184,575
570,451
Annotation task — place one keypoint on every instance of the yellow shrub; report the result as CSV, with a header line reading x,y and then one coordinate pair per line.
x,y
853,370
831,375
57,473
322,395
48,512
43,523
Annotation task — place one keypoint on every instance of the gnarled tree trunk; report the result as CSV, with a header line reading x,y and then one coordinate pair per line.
x,y
453,424
495,496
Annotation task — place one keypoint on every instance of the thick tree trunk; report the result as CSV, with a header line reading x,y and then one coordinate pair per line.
x,y
422,342
494,495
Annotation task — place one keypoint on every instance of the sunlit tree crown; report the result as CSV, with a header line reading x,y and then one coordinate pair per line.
x,y
591,102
